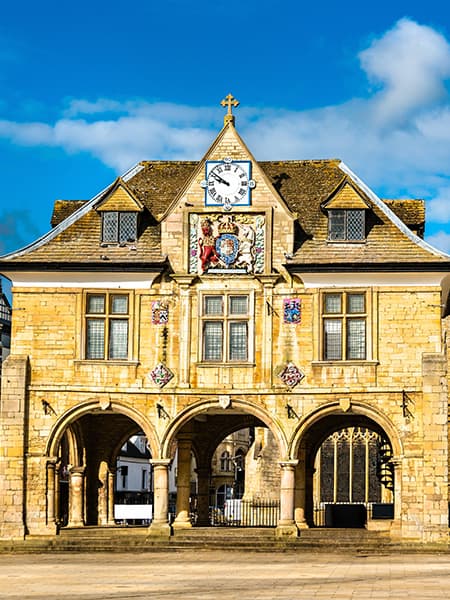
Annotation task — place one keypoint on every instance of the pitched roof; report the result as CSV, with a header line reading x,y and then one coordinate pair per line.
x,y
304,185
63,209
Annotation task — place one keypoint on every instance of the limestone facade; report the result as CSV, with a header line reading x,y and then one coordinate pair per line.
x,y
217,317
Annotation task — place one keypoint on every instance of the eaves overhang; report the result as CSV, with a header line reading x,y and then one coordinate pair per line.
x,y
85,267
358,267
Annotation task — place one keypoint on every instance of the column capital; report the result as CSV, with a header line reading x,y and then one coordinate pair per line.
x,y
160,462
77,470
288,464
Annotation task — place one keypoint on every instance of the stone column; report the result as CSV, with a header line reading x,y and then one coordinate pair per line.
x,y
203,496
103,497
286,525
57,494
182,520
51,513
110,481
160,523
76,497
396,525
300,492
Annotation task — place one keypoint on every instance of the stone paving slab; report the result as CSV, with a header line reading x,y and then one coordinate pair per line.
x,y
210,575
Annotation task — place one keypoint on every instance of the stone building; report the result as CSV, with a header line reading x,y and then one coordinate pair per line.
x,y
5,326
193,299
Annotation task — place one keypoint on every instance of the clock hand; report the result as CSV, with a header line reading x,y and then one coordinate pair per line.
x,y
220,179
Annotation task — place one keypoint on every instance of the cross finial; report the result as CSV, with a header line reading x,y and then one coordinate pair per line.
x,y
229,101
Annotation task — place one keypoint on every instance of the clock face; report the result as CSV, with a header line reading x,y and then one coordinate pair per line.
x,y
228,183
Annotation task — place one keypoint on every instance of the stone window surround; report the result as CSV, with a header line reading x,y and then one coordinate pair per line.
x,y
107,315
248,318
322,359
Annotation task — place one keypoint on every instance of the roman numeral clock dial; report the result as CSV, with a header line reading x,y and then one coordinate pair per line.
x,y
228,183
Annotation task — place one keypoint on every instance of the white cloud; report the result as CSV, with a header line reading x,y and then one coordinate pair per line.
x,y
438,209
410,61
440,240
397,139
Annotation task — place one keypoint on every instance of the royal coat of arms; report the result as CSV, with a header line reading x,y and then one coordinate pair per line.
x,y
226,242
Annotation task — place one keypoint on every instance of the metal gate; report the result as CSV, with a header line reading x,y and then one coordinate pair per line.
x,y
351,514
246,513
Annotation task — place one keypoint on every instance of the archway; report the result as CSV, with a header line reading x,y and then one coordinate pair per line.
x,y
201,429
83,450
345,475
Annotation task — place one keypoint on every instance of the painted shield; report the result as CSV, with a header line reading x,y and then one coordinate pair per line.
x,y
227,246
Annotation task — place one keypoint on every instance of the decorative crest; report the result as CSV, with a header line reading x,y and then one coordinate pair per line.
x,y
229,101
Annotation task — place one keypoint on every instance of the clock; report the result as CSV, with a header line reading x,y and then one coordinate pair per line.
x,y
228,183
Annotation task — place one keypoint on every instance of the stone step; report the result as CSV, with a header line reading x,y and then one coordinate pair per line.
x,y
219,539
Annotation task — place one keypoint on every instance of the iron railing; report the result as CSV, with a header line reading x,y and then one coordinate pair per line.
x,y
246,513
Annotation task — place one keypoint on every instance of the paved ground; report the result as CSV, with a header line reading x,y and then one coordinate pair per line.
x,y
224,576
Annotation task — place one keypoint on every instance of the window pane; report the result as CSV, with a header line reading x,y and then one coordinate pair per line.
x,y
127,227
333,303
356,303
356,339
110,227
119,304
336,225
212,340
95,304
95,339
238,305
333,339
118,338
355,225
238,341
213,305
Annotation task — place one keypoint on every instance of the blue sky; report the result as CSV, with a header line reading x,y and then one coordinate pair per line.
x,y
90,88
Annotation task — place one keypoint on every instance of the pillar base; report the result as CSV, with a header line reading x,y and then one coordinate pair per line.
x,y
182,524
287,531
75,524
161,530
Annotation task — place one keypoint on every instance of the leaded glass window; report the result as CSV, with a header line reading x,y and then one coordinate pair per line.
x,y
212,340
344,326
119,227
346,225
107,324
225,328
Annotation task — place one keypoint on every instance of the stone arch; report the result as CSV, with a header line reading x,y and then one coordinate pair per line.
x,y
90,479
335,409
242,405
314,429
93,405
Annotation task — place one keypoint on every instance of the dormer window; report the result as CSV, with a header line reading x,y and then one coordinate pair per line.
x,y
119,227
346,225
